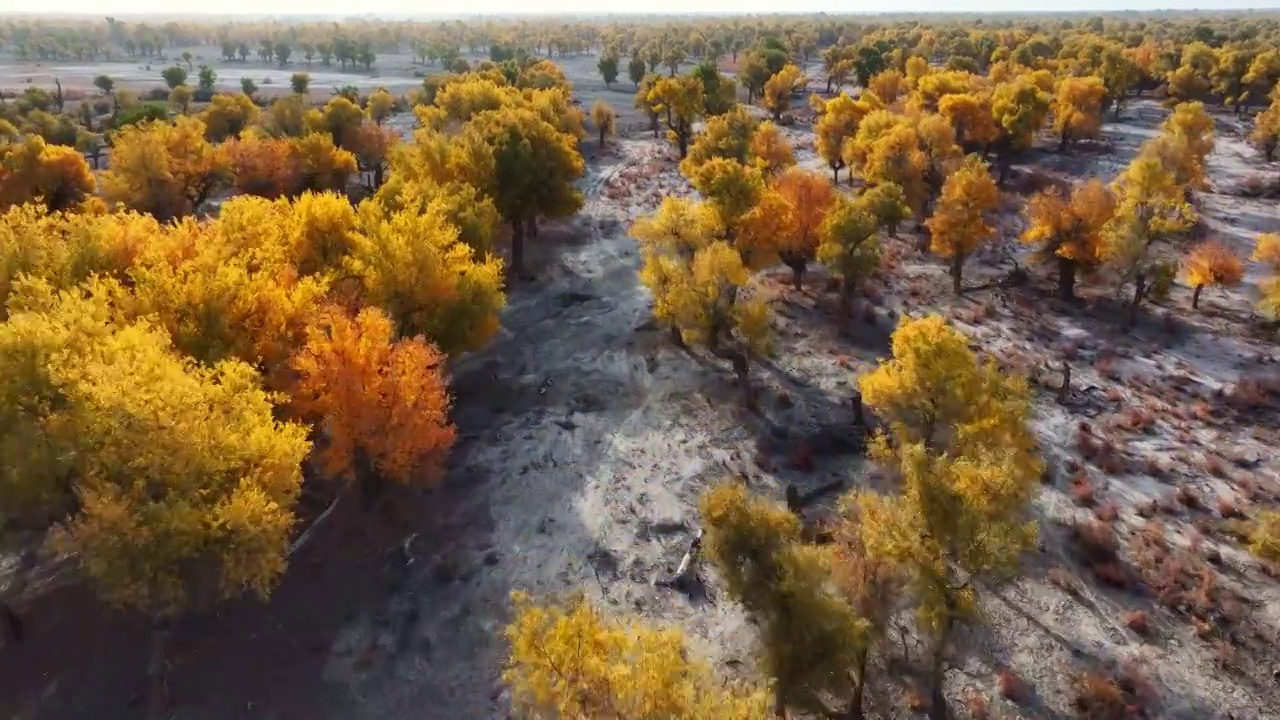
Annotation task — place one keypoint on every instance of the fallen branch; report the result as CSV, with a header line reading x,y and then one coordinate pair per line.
x,y
685,579
309,532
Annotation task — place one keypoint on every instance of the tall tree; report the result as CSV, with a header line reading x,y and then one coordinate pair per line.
x,y
958,226
1068,229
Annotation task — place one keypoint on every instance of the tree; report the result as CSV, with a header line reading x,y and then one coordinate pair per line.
x,y
888,86
608,67
672,56
147,480
809,197
779,87
888,203
1151,207
55,176
1077,109
340,119
1192,123
283,51
602,116
719,93
373,147
959,437
384,403
680,101
754,73
321,165
207,79
1019,108
1211,263
414,266
849,247
728,136
174,76
1267,251
1266,131
570,661
180,98
958,225
1069,229
837,123
891,154
971,119
770,149
380,106
808,633
261,166
227,116
636,70
697,281
731,188
535,167
248,87
165,170
300,82
104,83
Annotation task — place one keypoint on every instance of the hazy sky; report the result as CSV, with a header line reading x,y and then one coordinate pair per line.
x,y
398,7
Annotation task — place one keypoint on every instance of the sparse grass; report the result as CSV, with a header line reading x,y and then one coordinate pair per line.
x,y
1121,695
1138,621
1188,498
1082,490
1011,687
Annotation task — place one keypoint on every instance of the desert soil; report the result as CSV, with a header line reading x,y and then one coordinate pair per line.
x,y
586,439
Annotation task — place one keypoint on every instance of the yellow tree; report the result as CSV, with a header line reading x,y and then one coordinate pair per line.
x,y
1266,131
339,118
779,88
888,86
731,188
383,404
970,116
320,164
958,435
55,176
1191,123
728,135
602,116
848,245
380,106
1151,207
809,634
698,283
1077,109
166,170
809,196
1267,251
570,661
227,116
535,167
169,483
680,101
958,226
414,266
1068,229
770,150
1211,263
836,124
893,156
1020,108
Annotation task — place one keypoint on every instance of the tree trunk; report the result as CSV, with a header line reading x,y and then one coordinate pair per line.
x,y
1139,290
835,175
533,226
1195,297
779,703
957,270
157,681
1066,278
601,138
1062,143
517,246
937,671
855,711
798,264
683,141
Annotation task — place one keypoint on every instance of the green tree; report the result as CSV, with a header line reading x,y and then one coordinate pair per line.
x,y
300,82
174,76
608,67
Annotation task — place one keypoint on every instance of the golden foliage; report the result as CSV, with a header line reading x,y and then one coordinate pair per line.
x,y
227,116
728,135
1267,250
1069,230
888,86
1213,263
53,175
261,165
958,225
731,188
570,662
778,89
1264,540
603,117
414,266
836,125
1077,108
679,100
848,243
770,149
808,197
971,119
321,165
173,465
166,170
383,404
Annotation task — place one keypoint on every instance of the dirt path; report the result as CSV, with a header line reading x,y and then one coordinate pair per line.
x,y
566,479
